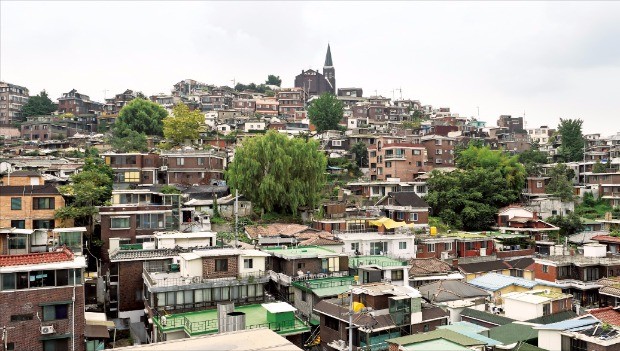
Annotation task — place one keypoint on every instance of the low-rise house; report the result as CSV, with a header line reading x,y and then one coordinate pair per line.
x,y
307,293
612,243
430,270
42,301
499,286
395,243
526,305
136,168
441,339
405,206
375,269
254,125
609,315
583,333
454,296
609,292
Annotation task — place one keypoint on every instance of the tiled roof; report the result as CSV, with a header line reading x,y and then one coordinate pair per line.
x,y
125,255
606,238
611,286
36,258
486,266
428,266
276,229
450,290
486,317
331,309
408,198
434,313
320,240
521,263
607,315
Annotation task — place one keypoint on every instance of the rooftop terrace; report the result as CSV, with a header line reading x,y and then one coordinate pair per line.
x,y
300,252
324,287
381,261
206,322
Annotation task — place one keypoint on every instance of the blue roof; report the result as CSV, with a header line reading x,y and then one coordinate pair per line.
x,y
496,281
570,324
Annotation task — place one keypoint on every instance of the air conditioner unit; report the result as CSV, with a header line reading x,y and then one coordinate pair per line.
x,y
163,168
47,329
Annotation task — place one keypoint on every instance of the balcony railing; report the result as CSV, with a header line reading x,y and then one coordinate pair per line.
x,y
288,280
579,283
239,279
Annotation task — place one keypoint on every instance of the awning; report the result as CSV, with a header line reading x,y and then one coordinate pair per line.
x,y
388,223
96,331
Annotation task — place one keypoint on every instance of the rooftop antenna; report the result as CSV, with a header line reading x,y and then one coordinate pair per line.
x,y
104,93
478,107
234,83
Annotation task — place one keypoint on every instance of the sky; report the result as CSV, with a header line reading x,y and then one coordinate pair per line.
x,y
544,60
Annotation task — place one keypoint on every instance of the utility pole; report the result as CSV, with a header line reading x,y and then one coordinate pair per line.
x,y
236,216
351,319
104,93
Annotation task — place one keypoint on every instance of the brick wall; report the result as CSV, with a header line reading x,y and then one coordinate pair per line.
x,y
27,335
550,275
27,213
130,286
208,267
290,267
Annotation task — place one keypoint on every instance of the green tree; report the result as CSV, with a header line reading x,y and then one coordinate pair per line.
x,y
560,183
360,153
183,124
569,224
532,160
476,156
571,149
278,174
599,167
143,116
124,139
90,188
326,112
39,105
273,80
469,199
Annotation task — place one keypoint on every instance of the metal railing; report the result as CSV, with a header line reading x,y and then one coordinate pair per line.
x,y
241,278
288,280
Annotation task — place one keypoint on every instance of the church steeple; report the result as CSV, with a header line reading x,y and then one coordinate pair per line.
x,y
328,58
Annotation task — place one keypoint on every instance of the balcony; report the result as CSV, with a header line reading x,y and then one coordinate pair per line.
x,y
287,280
579,284
164,281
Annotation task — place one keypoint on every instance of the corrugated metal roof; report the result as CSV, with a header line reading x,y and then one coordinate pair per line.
x,y
570,324
495,281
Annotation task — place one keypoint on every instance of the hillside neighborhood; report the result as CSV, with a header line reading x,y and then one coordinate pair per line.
x,y
313,217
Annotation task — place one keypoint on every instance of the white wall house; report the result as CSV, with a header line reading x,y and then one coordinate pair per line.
x,y
252,261
372,243
527,305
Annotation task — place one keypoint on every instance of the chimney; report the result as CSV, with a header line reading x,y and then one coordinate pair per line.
x,y
455,263
535,215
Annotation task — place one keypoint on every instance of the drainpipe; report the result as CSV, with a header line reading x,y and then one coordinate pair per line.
x,y
73,315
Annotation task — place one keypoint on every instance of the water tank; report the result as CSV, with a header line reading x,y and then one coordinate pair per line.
x,y
595,250
235,321
223,310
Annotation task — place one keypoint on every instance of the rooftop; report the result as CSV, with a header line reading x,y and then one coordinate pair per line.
x,y
578,260
486,317
206,322
570,324
496,281
486,266
470,330
381,261
450,290
62,255
300,252
609,315
138,255
428,266
445,334
537,296
513,332
324,287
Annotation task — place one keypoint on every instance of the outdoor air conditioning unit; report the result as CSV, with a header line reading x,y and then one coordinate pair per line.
x,y
163,168
47,329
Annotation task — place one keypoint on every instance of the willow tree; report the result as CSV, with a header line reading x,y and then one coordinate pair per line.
x,y
278,174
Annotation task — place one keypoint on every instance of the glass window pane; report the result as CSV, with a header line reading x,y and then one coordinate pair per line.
x,y
8,281
62,277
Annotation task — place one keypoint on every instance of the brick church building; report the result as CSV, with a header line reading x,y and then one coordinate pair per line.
x,y
314,83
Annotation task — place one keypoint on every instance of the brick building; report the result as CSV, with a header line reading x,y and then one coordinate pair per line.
x,y
314,83
396,160
440,150
42,301
114,105
136,168
78,104
290,102
12,99
30,206
195,167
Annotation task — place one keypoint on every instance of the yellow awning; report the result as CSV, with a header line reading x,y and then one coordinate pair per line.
x,y
388,223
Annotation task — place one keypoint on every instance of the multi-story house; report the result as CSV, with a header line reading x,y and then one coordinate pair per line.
x,y
405,206
540,135
607,185
512,124
396,160
42,301
12,99
166,101
136,168
267,107
78,104
351,92
370,241
30,206
578,274
215,101
246,106
375,269
44,128
582,333
114,105
440,150
290,102
455,245
193,167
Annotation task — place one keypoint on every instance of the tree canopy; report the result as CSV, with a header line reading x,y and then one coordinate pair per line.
x,y
571,149
39,105
569,224
183,124
123,139
273,80
360,152
278,174
599,167
560,183
143,116
326,112
469,197
532,160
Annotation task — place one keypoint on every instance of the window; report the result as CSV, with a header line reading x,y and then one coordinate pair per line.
x,y
221,265
56,344
301,265
447,246
336,142
416,152
201,161
430,247
378,248
180,161
402,245
248,263
545,268
413,217
17,242
8,281
400,216
42,278
71,239
438,152
304,296
332,323
388,164
16,203
546,309
19,224
54,312
539,184
43,203
397,275
43,224
426,327
151,221
438,142
119,222
355,247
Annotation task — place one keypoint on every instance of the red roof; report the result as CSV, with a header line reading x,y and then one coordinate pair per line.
x,y
61,255
607,315
606,238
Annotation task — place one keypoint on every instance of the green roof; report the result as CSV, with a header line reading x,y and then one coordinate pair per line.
x,y
513,332
324,287
436,345
486,317
381,261
553,318
528,347
205,322
436,334
300,252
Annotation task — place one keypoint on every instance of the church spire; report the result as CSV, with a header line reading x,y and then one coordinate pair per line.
x,y
328,57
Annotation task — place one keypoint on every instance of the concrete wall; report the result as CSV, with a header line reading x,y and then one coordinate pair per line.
x,y
550,340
